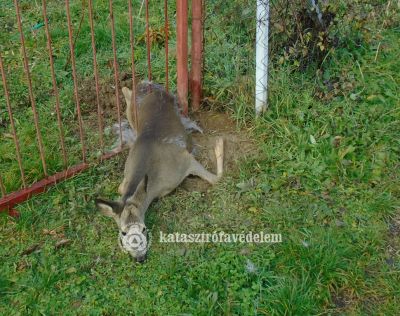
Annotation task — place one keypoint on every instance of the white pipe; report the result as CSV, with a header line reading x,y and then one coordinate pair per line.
x,y
262,56
318,13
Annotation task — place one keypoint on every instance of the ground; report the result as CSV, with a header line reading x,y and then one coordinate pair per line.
x,y
321,167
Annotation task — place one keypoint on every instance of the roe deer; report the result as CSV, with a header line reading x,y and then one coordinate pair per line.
x,y
157,163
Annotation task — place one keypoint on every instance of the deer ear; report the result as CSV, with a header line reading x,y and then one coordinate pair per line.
x,y
109,208
127,94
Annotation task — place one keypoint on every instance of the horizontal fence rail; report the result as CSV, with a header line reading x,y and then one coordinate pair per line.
x,y
74,129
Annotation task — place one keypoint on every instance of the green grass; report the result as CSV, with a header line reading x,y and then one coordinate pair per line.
x,y
326,177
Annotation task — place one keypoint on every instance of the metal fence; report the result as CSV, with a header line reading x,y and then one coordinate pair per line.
x,y
46,178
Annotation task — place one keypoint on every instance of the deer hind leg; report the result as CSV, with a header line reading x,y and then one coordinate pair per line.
x,y
197,168
122,187
219,154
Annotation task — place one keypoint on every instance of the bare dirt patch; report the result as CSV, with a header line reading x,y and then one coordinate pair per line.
x,y
107,95
237,145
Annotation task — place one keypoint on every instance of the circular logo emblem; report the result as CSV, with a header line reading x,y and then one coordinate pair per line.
x,y
135,240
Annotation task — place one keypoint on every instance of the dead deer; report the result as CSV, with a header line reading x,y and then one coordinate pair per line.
x,y
157,163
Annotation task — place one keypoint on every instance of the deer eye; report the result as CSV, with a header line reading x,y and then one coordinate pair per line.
x,y
123,233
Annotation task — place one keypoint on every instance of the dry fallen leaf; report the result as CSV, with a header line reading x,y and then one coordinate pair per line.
x,y
31,249
62,243
56,233
337,140
22,265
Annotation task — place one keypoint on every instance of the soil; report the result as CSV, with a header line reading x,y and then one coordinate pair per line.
x,y
237,145
107,99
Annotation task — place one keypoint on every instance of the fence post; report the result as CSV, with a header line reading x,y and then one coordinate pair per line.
x,y
148,42
261,96
182,53
197,50
166,32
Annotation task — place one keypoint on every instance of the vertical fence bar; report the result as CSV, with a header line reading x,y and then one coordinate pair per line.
x,y
96,78
31,96
197,49
10,115
261,89
55,88
182,53
77,102
116,75
203,23
166,30
148,45
132,41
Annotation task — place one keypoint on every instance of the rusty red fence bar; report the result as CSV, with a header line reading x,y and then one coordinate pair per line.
x,y
166,30
197,48
182,53
10,115
77,102
148,44
116,75
96,78
31,96
9,201
55,88
132,42
203,24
